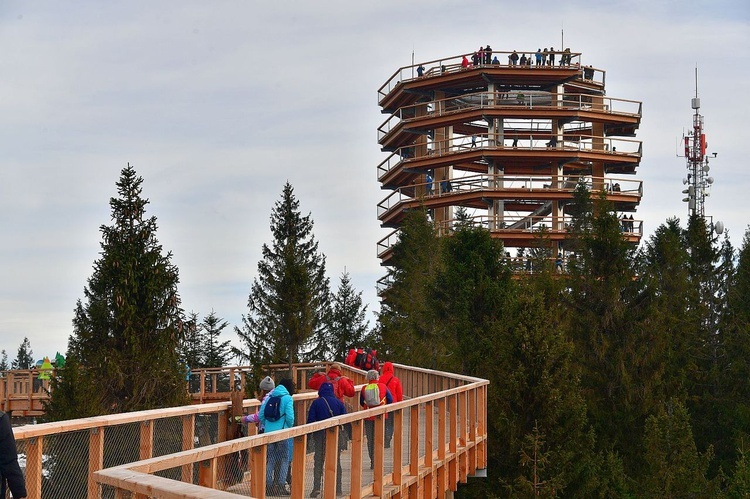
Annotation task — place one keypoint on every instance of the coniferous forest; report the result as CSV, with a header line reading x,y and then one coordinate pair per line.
x,y
626,375
623,374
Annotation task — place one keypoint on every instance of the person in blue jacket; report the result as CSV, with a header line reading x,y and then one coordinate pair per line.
x,y
324,407
278,453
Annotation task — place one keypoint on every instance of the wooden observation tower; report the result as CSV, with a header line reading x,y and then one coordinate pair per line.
x,y
507,142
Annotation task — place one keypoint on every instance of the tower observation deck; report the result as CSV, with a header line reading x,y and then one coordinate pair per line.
x,y
509,143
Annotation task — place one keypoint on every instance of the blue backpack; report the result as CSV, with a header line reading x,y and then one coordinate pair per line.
x,y
272,412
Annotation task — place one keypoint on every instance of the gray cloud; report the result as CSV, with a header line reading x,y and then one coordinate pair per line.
x,y
217,104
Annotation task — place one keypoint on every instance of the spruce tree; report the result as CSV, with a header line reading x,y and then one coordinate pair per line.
x,y
192,342
127,328
4,366
289,298
407,324
674,467
24,357
607,324
347,326
216,353
735,393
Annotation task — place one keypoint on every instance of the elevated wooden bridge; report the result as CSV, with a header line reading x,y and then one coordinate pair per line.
x,y
440,440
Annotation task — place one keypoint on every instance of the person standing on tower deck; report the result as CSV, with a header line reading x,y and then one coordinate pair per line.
x,y
465,63
551,56
513,58
539,61
545,53
487,54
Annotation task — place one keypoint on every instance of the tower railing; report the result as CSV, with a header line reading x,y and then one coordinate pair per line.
x,y
453,64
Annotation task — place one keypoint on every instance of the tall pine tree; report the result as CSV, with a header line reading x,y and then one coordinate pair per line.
x,y
407,324
289,299
216,353
24,357
126,330
347,325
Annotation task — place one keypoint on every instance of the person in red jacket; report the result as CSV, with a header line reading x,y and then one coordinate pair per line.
x,y
394,386
383,396
342,386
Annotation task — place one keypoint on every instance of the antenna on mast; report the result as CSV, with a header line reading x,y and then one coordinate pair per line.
x,y
698,181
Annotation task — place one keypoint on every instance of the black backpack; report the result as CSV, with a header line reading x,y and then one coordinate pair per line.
x,y
367,360
272,412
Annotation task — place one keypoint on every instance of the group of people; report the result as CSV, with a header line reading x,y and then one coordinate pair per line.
x,y
627,223
333,391
445,185
542,57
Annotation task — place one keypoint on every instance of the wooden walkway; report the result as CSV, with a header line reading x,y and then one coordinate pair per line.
x,y
243,488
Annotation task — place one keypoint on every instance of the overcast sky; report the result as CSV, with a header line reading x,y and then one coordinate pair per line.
x,y
218,103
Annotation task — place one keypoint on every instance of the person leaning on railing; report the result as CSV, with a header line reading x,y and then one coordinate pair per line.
x,y
10,472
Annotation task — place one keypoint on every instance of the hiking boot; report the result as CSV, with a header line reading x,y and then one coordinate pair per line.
x,y
315,493
281,490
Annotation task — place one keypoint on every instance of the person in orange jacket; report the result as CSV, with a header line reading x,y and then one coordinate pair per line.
x,y
397,391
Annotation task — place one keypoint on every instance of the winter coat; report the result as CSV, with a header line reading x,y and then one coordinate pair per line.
x,y
10,471
384,394
287,411
319,409
334,377
392,382
255,417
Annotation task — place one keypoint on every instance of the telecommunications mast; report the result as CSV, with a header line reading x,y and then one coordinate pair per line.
x,y
698,181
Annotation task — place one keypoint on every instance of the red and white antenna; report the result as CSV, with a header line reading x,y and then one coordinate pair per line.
x,y
698,181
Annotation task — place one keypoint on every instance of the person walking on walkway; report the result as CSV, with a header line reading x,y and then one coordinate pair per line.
x,y
10,472
397,392
373,394
326,406
277,464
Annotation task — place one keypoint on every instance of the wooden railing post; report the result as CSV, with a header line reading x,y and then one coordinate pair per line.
x,y
356,468
207,474
258,471
453,419
378,455
34,468
298,466
396,445
96,459
188,442
145,446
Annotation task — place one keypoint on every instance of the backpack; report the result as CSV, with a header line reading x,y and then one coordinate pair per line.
x,y
336,388
272,412
367,360
372,395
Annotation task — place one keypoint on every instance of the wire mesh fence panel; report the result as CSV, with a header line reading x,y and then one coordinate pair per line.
x,y
65,465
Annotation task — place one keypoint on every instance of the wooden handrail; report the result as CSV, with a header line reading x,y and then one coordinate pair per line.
x,y
425,387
